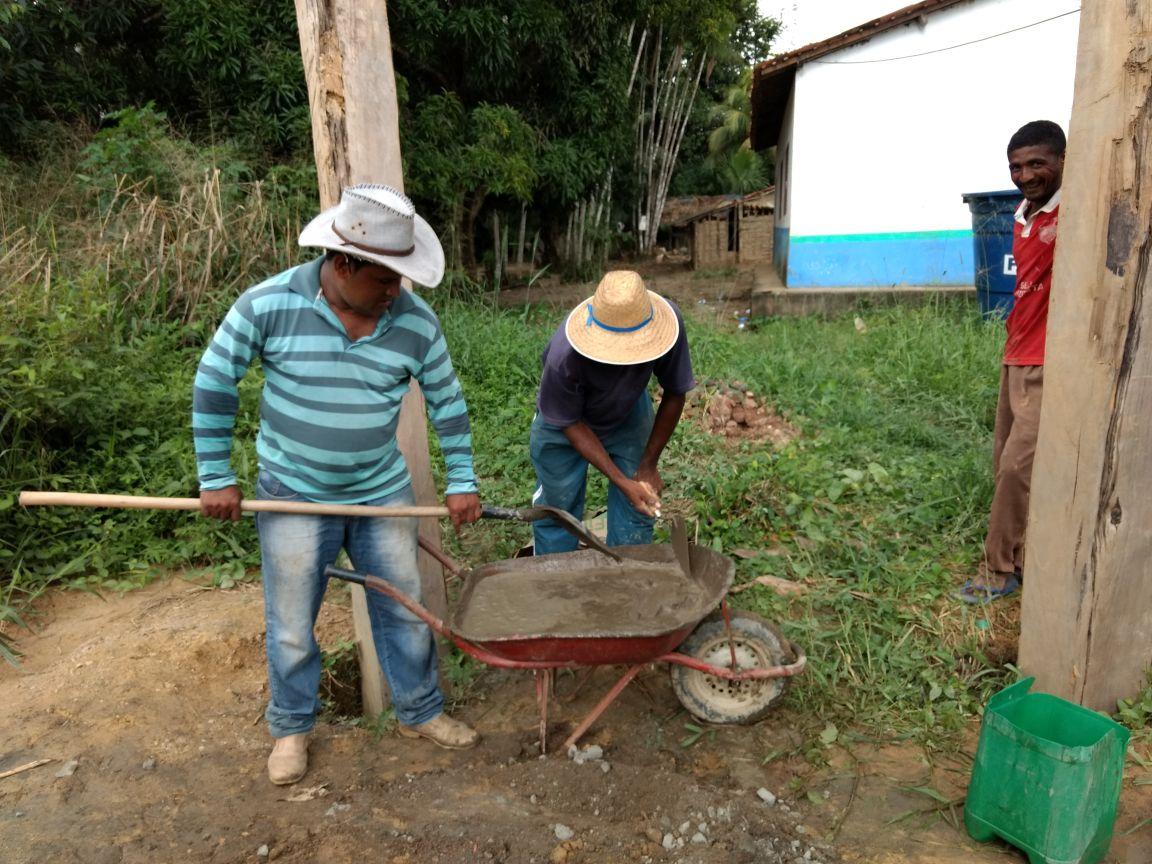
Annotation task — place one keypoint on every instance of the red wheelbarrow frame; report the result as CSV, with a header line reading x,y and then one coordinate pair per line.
x,y
635,652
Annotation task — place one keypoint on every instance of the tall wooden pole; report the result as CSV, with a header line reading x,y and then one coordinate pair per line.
x,y
347,52
1087,607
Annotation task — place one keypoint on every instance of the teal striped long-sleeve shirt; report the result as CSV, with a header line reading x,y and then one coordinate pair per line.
x,y
330,406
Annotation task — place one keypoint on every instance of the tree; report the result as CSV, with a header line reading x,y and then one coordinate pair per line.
x,y
677,45
737,167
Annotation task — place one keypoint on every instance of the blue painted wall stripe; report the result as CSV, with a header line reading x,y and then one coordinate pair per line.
x,y
878,260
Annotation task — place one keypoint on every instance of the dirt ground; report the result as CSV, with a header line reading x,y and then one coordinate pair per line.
x,y
150,707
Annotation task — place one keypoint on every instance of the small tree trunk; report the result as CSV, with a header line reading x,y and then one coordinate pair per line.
x,y
523,226
468,231
497,252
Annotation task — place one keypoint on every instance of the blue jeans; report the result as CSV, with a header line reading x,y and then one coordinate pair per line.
x,y
294,551
562,474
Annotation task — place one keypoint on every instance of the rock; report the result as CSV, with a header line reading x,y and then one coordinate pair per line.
x,y
739,414
591,753
653,835
533,799
669,842
685,827
68,768
563,832
337,808
149,764
699,838
262,852
605,767
731,424
721,407
765,796
559,855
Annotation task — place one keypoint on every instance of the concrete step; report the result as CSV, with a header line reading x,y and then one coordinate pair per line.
x,y
778,301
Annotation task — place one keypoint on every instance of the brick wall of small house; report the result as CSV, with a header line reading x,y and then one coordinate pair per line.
x,y
710,244
756,233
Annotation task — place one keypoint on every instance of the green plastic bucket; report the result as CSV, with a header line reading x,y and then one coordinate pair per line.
x,y
1047,777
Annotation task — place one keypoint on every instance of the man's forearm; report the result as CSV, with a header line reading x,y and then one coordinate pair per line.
x,y
588,445
667,418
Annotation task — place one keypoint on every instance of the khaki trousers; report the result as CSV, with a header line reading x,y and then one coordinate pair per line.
x,y
1017,423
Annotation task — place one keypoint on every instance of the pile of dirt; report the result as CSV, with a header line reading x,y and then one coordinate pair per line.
x,y
732,410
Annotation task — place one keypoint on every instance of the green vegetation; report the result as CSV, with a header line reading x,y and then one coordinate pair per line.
x,y
512,112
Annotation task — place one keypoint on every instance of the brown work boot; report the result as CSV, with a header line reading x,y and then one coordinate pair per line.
x,y
288,761
443,730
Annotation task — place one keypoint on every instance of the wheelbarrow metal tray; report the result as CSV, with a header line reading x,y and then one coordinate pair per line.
x,y
582,608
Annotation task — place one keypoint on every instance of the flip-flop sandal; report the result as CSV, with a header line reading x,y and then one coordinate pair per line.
x,y
983,594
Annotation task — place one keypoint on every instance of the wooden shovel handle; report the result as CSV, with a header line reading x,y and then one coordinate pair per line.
x,y
252,505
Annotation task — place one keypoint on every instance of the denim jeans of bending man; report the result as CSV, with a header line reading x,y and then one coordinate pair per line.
x,y
562,478
295,550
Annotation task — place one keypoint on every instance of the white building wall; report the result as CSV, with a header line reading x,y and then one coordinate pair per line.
x,y
890,146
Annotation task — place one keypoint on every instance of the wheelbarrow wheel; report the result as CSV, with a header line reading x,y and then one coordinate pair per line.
x,y
758,644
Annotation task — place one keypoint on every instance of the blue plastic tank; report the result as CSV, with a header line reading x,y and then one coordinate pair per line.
x,y
993,216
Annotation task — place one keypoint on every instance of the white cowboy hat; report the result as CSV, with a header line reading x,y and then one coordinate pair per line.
x,y
623,322
379,224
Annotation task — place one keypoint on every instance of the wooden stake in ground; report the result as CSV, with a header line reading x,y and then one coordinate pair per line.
x,y
347,52
1087,608
12,772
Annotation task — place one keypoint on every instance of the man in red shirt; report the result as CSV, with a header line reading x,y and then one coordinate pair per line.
x,y
1036,163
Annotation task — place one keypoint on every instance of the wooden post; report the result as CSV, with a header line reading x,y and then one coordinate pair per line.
x,y
347,53
1087,608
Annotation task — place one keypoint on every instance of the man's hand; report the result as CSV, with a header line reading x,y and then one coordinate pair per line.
x,y
650,474
221,503
462,509
641,495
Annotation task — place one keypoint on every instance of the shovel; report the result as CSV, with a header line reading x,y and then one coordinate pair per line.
x,y
254,505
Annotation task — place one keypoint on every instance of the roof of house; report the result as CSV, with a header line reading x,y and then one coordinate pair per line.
x,y
681,211
772,79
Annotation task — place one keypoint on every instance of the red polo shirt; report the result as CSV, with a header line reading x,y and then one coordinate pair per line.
x,y
1033,247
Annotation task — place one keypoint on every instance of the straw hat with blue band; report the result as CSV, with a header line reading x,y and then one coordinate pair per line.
x,y
380,225
623,322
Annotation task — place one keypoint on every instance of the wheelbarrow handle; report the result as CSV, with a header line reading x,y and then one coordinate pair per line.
x,y
384,587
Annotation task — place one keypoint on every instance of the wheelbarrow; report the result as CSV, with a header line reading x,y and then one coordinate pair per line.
x,y
626,605
584,609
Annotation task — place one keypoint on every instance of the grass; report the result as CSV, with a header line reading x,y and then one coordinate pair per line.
x,y
877,508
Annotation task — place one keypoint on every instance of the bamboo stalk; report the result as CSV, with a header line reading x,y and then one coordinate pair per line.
x,y
30,498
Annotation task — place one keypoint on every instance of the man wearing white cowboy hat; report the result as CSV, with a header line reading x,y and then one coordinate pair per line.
x,y
339,342
593,408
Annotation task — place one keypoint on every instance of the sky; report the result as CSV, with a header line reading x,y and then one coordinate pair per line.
x,y
808,21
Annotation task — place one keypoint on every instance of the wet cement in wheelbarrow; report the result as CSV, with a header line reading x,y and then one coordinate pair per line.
x,y
630,598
